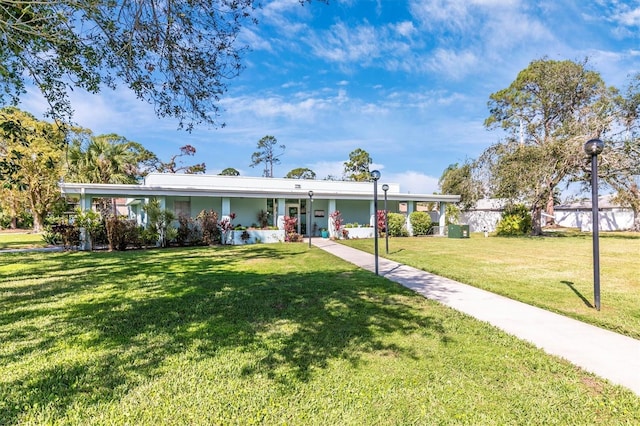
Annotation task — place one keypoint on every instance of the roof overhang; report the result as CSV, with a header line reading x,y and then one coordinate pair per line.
x,y
142,191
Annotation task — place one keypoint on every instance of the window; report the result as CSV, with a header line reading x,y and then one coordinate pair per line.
x,y
182,208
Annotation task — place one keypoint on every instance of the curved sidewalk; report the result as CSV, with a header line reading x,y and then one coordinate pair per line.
x,y
607,354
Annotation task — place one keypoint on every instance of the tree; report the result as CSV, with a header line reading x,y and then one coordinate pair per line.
x,y
32,151
173,166
357,168
301,173
266,154
106,159
229,171
549,111
460,180
177,55
620,161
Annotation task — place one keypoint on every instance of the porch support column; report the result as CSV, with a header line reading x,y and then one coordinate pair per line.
x,y
85,205
281,212
372,213
442,221
163,202
407,223
85,201
330,223
226,207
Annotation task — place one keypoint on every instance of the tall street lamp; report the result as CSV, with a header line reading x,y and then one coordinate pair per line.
x,y
375,175
594,147
310,209
385,188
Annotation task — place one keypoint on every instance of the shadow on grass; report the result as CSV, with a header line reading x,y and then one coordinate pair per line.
x,y
127,313
584,299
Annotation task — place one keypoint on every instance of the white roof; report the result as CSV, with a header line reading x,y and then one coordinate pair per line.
x,y
170,184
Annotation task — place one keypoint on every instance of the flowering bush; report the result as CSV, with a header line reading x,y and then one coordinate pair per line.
x,y
337,221
208,222
380,221
290,229
226,226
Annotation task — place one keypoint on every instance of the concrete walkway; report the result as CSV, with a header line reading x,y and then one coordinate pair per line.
x,y
35,249
609,355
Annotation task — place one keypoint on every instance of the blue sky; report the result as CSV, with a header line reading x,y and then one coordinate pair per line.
x,y
406,80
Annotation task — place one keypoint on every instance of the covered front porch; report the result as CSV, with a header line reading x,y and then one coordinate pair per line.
x,y
264,202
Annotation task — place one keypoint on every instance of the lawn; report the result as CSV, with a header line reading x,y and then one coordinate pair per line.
x,y
264,334
20,239
553,272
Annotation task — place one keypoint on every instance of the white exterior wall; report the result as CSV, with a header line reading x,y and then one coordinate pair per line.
x,y
481,220
608,220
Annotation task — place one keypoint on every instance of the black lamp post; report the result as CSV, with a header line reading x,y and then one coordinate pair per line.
x,y
594,147
310,209
375,175
385,188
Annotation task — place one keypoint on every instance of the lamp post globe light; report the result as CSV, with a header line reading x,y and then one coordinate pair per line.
x,y
385,188
375,176
309,216
594,147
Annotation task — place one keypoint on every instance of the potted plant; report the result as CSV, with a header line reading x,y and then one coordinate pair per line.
x,y
324,233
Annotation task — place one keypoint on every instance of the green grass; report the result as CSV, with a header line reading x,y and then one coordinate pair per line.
x,y
553,272
264,334
16,240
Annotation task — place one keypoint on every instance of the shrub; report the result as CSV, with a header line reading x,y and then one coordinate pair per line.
x,y
380,221
263,218
420,223
208,221
397,226
336,216
516,220
116,235
452,213
69,234
290,230
188,232
122,233
226,226
51,238
159,222
93,225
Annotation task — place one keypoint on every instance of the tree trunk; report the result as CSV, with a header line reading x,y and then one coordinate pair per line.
x,y
536,220
550,220
636,221
38,221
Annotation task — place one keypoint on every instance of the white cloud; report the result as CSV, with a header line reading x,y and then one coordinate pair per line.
x,y
405,28
627,16
452,63
323,169
346,45
437,13
413,182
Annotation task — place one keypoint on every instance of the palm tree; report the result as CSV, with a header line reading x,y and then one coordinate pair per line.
x,y
106,159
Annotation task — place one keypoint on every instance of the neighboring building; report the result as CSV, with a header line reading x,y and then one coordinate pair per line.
x,y
188,195
484,216
488,212
611,217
